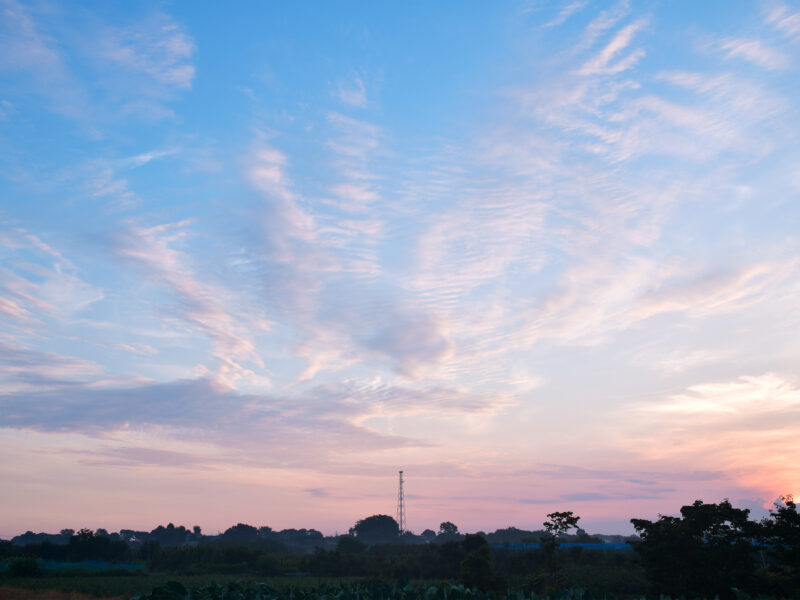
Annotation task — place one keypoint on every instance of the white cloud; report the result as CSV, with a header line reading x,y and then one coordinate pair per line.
x,y
602,23
780,17
25,47
24,370
566,12
599,63
95,79
753,51
158,48
680,361
416,343
203,306
138,349
6,109
268,430
357,139
267,171
38,283
747,427
353,197
353,93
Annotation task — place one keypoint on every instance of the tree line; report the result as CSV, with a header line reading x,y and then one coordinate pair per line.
x,y
708,550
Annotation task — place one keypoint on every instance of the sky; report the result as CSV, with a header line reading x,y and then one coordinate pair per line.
x,y
256,258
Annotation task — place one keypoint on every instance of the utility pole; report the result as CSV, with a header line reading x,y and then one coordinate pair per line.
x,y
401,506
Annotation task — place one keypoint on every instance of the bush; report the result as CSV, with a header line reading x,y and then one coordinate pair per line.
x,y
24,566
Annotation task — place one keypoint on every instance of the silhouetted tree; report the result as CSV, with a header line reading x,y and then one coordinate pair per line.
x,y
241,532
781,542
86,545
350,545
708,551
560,522
475,569
376,529
169,535
448,528
24,566
557,524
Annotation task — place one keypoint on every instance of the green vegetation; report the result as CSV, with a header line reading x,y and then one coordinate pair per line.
x,y
24,566
131,585
710,550
357,591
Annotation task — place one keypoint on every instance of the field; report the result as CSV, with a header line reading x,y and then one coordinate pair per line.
x,y
199,587
233,587
123,586
14,593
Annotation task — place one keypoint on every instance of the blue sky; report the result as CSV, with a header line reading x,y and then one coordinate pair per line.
x,y
542,256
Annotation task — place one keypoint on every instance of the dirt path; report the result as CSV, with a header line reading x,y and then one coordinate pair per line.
x,y
11,593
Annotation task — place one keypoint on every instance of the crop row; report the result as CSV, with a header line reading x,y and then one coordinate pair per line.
x,y
348,591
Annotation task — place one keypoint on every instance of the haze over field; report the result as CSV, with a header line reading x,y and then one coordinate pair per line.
x,y
256,258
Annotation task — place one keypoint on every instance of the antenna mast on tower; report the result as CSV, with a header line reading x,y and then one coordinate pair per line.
x,y
401,506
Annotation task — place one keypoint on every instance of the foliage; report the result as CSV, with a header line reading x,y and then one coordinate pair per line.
x,y
448,528
708,551
128,585
241,532
476,570
559,523
213,558
86,545
24,566
353,591
350,545
428,535
780,537
169,535
376,529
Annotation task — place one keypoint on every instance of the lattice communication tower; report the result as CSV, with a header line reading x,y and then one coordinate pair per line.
x,y
401,506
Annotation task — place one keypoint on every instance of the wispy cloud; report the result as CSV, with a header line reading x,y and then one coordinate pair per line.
x,y
566,12
781,18
343,287
746,427
198,304
354,146
158,48
263,430
753,51
106,178
132,70
591,225
139,349
415,343
717,292
23,369
133,457
327,266
621,40
353,93
6,109
332,420
24,47
606,20
38,282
